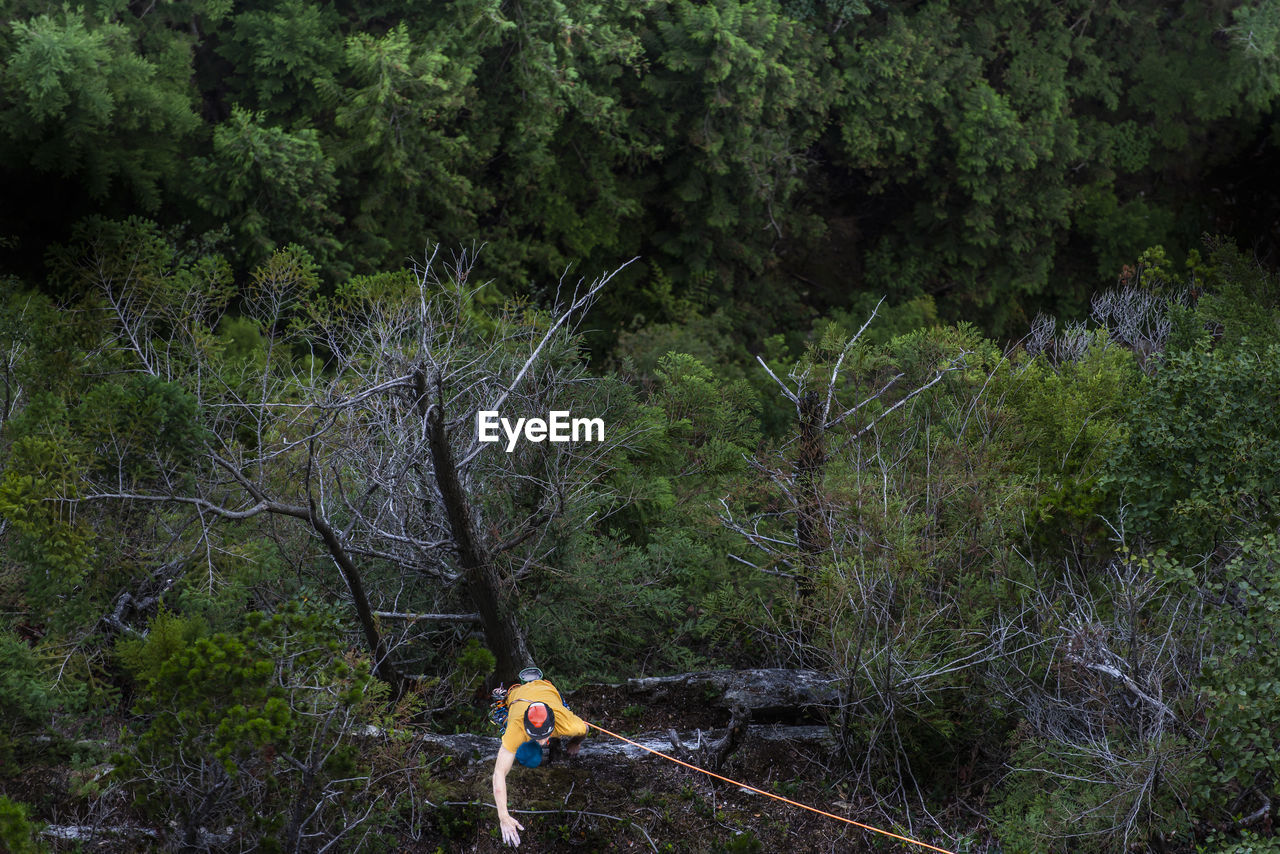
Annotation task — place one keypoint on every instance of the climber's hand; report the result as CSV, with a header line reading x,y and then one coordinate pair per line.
x,y
511,831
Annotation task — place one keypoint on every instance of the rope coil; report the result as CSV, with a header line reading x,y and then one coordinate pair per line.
x,y
890,834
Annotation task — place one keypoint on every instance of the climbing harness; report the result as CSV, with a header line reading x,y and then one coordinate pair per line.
x,y
775,797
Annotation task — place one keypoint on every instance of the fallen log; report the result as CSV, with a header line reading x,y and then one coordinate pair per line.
x,y
766,694
83,833
89,832
601,748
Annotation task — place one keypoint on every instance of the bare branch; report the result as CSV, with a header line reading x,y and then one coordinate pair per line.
x,y
223,512
581,302
788,393
835,371
431,618
937,379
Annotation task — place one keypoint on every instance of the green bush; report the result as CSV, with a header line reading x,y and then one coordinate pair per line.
x,y
265,715
167,635
25,701
1200,462
18,834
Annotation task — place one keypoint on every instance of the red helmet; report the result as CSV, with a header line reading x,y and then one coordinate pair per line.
x,y
539,720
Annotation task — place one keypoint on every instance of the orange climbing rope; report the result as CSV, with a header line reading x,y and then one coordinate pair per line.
x,y
775,797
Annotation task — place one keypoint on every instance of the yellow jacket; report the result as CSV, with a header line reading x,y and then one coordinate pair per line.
x,y
567,724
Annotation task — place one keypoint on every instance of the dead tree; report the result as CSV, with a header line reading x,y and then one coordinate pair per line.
x,y
1108,690
797,474
357,418
418,486
247,409
484,585
861,478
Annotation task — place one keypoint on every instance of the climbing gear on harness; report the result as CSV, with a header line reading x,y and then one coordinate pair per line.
x,y
539,720
498,707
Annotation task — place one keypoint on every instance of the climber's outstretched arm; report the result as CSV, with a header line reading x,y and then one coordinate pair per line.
x,y
510,827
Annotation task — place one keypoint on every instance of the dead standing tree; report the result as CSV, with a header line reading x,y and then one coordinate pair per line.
x,y
357,416
849,510
417,484
798,474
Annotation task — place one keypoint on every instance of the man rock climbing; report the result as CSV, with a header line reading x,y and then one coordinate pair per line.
x,y
535,714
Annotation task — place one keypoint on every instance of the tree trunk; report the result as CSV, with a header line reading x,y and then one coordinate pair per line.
x,y
812,537
382,666
497,618
312,515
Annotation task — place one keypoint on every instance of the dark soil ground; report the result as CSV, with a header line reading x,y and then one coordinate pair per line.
x,y
567,804
651,804
613,709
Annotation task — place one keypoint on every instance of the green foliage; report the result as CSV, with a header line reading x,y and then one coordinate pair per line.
x,y
751,87
80,99
26,698
270,185
42,469
396,123
1071,414
630,589
213,696
1061,802
1242,625
119,265
36,341
620,605
251,573
1256,34
1247,843
282,53
929,104
475,663
1201,451
132,430
974,161
140,429
712,422
735,145
243,340
18,834
1009,128
263,713
167,635
457,821
1116,228
1241,301
742,842
890,320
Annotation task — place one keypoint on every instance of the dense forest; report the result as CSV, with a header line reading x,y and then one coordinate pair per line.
x,y
936,350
